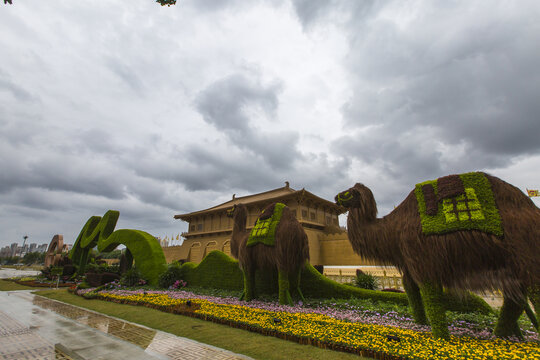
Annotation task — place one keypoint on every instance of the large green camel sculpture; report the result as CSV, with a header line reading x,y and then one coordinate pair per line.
x,y
471,231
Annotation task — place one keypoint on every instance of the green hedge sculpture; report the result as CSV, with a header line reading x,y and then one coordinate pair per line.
x,y
99,231
219,271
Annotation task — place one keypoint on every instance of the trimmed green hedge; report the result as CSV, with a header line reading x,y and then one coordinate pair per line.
x,y
316,285
220,271
217,270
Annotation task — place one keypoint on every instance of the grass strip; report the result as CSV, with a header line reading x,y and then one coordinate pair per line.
x,y
6,285
240,341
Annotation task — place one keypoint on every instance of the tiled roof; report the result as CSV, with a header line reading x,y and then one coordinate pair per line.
x,y
279,193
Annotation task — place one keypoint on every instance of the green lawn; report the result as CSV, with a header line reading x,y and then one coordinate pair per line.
x,y
10,286
240,341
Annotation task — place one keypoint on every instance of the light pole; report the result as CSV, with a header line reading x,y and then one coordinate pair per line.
x,y
24,242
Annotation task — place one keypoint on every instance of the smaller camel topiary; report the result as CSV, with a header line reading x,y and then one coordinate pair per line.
x,y
277,241
471,231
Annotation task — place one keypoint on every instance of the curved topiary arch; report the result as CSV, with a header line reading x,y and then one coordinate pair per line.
x,y
99,231
56,244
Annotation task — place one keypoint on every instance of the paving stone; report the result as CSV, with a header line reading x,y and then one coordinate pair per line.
x,y
82,334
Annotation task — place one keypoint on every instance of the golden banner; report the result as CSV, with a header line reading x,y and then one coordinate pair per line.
x,y
532,193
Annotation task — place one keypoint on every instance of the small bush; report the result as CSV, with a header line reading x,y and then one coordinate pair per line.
x,y
169,277
83,285
132,277
366,281
93,268
101,268
178,284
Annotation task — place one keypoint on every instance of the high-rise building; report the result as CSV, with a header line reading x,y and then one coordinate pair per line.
x,y
14,248
5,252
33,247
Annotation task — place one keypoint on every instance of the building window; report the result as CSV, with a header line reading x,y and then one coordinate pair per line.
x,y
192,228
336,222
312,216
328,220
304,214
294,213
199,227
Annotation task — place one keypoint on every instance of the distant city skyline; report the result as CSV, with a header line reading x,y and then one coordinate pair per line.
x,y
15,250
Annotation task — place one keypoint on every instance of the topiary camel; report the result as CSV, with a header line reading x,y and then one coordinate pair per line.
x,y
470,231
277,241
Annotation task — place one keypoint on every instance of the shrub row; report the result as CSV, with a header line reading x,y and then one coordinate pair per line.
x,y
217,270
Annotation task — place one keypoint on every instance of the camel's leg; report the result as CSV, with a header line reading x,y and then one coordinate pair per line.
x,y
435,309
284,293
507,323
415,299
298,285
532,316
534,295
294,284
249,284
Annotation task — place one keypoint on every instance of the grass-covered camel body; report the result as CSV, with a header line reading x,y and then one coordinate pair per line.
x,y
504,256
288,254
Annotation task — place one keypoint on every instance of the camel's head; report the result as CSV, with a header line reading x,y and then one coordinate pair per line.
x,y
230,212
348,198
237,209
359,197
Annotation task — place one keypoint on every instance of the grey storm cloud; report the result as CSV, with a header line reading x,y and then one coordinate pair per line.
x,y
312,12
448,75
18,92
436,89
235,103
127,75
224,102
158,111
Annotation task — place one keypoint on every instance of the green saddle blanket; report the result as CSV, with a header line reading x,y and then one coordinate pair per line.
x,y
458,202
264,231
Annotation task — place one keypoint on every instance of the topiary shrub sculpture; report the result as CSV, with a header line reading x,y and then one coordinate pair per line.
x,y
141,246
277,241
471,231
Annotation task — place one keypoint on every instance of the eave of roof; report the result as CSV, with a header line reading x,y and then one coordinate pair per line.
x,y
279,193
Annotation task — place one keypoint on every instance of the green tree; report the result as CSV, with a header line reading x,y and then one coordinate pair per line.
x,y
33,258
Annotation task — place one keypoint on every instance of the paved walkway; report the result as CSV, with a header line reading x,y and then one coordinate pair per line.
x,y
8,272
34,327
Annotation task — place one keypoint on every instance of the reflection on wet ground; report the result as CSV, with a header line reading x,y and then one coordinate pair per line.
x,y
84,334
123,330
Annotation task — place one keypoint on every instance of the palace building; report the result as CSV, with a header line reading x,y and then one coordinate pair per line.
x,y
211,229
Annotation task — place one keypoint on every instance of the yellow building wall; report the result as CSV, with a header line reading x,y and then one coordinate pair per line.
x,y
329,250
314,240
336,250
194,250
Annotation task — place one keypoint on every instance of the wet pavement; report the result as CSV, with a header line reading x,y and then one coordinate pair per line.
x,y
34,327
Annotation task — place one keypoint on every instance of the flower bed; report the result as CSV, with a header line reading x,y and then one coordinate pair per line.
x,y
326,328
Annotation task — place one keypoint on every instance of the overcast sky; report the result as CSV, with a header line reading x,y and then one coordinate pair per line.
x,y
156,111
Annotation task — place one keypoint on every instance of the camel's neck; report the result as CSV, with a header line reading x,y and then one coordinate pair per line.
x,y
240,222
372,239
239,227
